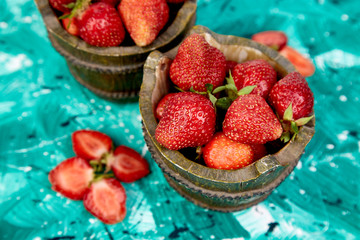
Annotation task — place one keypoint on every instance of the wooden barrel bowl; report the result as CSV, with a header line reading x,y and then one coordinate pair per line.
x,y
222,190
114,72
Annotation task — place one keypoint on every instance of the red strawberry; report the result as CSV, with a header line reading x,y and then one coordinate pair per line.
x,y
105,199
259,151
61,5
144,19
301,63
111,2
250,119
292,89
100,25
162,104
188,121
255,72
223,153
128,165
70,26
196,64
274,39
71,177
230,66
90,144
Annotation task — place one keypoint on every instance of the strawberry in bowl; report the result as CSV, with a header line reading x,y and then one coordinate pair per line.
x,y
248,155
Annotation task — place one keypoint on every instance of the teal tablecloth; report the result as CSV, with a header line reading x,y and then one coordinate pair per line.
x,y
41,105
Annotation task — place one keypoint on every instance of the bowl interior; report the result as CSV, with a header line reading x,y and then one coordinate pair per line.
x,y
156,84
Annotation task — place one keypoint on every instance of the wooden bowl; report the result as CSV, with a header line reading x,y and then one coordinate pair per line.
x,y
223,190
114,72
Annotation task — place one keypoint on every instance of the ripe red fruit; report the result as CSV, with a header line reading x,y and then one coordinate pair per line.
x,y
100,25
301,63
292,89
61,5
255,72
196,64
69,24
105,199
144,19
90,144
128,165
250,119
274,39
159,111
111,2
259,151
223,153
230,66
71,177
188,121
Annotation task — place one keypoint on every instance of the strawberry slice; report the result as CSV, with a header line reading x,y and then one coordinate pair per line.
x,y
128,165
304,65
274,39
71,177
106,199
90,144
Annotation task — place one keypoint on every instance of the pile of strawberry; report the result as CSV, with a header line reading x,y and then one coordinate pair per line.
x,y
95,173
229,121
105,23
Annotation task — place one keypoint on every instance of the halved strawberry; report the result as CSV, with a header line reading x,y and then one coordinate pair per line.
x,y
71,177
128,165
274,39
304,65
106,200
90,144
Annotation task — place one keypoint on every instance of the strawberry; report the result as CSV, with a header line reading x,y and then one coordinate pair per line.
x,y
144,19
175,1
128,165
61,5
105,199
223,153
230,65
188,121
100,25
90,144
159,111
250,119
196,64
301,63
274,39
71,177
259,151
70,26
292,89
255,72
113,3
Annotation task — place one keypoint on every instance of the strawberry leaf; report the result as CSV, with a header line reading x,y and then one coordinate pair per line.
x,y
288,114
303,121
294,128
285,137
219,89
224,103
246,90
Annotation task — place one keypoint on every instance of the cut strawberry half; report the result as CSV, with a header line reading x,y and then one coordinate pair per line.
x,y
274,39
71,177
302,64
128,165
90,144
106,200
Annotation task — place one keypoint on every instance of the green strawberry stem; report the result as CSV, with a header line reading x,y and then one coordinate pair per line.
x,y
76,8
290,126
